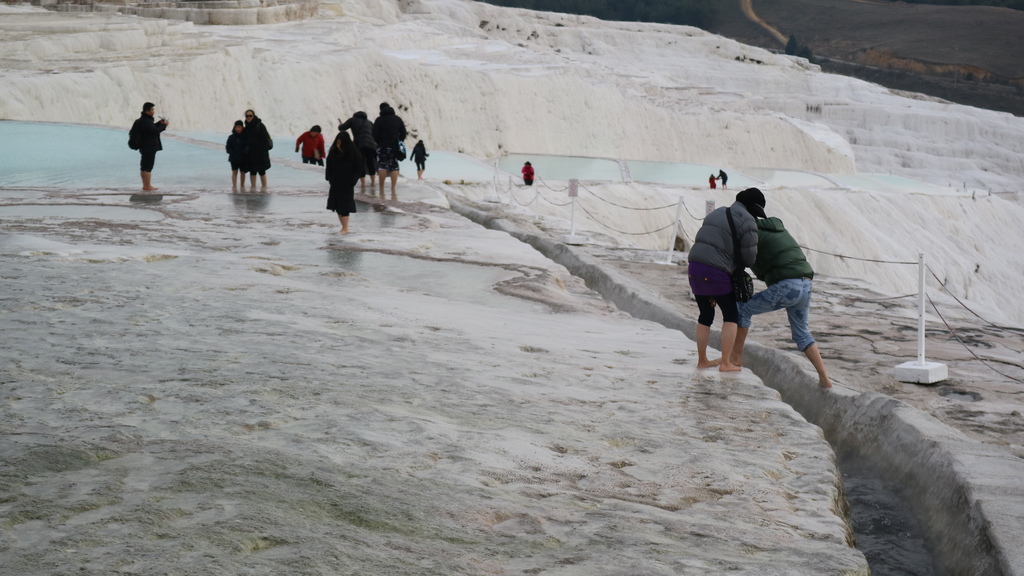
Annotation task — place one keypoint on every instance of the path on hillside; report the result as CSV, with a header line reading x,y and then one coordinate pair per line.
x,y
748,11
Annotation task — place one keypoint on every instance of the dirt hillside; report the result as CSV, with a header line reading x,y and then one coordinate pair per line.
x,y
967,54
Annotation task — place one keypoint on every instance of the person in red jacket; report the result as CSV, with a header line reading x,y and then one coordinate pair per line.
x,y
711,181
528,174
312,143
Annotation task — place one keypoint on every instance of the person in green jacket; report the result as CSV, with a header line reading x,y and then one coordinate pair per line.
x,y
781,264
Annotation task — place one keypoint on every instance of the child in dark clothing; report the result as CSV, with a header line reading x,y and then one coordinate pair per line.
x,y
235,147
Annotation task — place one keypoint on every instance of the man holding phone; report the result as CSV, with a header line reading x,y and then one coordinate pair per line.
x,y
145,133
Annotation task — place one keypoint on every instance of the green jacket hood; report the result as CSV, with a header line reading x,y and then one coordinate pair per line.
x,y
771,224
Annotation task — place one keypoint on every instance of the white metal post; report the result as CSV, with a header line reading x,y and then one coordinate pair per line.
x,y
572,238
493,197
920,371
920,309
675,230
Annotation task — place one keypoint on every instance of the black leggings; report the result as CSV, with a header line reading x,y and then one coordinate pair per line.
x,y
369,160
706,306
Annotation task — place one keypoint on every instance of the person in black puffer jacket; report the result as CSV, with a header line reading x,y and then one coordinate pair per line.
x,y
388,131
362,135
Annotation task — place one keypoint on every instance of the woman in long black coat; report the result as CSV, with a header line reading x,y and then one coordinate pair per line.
x,y
344,168
257,151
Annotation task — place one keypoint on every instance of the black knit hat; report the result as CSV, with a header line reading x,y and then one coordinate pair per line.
x,y
753,200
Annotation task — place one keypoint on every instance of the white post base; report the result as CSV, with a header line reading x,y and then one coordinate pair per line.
x,y
574,240
927,373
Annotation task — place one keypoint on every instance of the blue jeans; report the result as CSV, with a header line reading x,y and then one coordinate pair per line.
x,y
795,296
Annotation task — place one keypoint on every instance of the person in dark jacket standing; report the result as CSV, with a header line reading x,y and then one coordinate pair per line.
x,y
781,264
724,178
235,147
344,168
257,149
146,133
419,156
710,268
388,131
362,135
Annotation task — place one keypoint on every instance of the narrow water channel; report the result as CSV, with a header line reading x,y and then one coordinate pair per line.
x,y
886,529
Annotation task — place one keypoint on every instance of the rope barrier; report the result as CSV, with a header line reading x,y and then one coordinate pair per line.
x,y
958,301
962,343
620,231
886,298
855,258
549,187
625,207
513,198
569,203
687,208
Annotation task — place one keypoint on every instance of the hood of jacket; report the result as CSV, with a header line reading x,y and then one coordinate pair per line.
x,y
360,114
771,224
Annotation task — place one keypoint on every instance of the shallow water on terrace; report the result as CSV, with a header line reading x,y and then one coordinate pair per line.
x,y
440,165
563,167
79,212
451,280
76,157
684,174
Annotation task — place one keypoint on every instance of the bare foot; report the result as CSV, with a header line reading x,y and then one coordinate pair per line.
x,y
149,189
826,383
343,231
709,363
726,367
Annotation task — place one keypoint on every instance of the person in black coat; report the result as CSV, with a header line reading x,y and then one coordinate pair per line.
x,y
362,135
235,147
344,168
257,150
388,131
145,133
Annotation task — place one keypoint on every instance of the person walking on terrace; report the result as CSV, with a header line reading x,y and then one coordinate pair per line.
x,y
781,264
344,168
724,178
145,136
362,135
419,156
711,264
388,131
